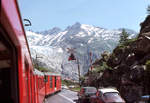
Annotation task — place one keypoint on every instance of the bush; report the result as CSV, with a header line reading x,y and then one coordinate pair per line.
x,y
42,69
102,67
123,37
68,82
148,66
127,43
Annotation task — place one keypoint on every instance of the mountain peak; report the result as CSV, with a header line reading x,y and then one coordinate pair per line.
x,y
54,30
77,24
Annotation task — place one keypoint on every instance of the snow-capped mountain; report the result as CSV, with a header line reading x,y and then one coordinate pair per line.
x,y
52,46
52,31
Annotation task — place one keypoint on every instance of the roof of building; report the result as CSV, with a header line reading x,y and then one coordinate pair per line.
x,y
107,90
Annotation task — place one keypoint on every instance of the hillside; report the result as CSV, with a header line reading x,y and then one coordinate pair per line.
x,y
127,68
52,46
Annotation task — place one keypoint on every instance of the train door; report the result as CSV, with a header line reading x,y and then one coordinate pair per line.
x,y
28,82
46,84
37,88
51,84
55,83
34,89
59,83
31,95
9,92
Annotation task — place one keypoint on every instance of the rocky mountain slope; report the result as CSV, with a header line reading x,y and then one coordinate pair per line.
x,y
52,46
128,67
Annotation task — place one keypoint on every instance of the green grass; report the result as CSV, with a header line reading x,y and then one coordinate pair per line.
x,y
42,69
77,89
148,65
67,82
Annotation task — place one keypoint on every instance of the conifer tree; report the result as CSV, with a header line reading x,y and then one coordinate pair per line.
x,y
123,37
148,9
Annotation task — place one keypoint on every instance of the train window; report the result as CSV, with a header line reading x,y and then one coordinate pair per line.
x,y
8,70
45,78
51,81
39,83
55,81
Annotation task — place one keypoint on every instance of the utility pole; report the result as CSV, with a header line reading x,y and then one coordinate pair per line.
x,y
91,60
79,72
90,57
36,59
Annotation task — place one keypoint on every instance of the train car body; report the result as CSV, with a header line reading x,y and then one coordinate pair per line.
x,y
53,83
39,86
46,84
18,81
15,60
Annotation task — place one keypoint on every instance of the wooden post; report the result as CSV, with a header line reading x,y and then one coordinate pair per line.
x,y
79,72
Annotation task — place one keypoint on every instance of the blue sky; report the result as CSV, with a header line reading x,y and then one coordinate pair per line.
x,y
110,14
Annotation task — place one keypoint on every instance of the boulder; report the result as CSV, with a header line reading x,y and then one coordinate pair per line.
x,y
142,45
145,26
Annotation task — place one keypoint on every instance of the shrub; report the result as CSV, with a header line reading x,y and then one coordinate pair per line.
x,y
123,37
148,66
42,69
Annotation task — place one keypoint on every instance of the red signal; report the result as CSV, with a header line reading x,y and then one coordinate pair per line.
x,y
71,57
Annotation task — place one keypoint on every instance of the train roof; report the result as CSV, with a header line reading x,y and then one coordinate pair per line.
x,y
37,72
53,74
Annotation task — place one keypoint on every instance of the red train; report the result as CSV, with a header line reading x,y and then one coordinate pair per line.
x,y
19,81
48,83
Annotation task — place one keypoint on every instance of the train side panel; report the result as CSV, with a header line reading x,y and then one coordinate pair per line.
x,y
41,89
39,86
31,87
11,21
58,83
47,86
53,83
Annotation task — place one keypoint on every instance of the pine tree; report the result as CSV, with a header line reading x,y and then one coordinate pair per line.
x,y
123,37
148,9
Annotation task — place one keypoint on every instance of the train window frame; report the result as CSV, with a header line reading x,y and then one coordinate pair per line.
x,y
39,83
14,64
45,78
55,81
51,81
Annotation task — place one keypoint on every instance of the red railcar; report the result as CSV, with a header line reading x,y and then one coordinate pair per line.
x,y
18,83
53,83
15,61
39,86
46,84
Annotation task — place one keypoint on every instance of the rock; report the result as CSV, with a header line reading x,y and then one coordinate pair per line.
x,y
130,59
145,26
136,74
129,73
144,59
142,45
131,93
